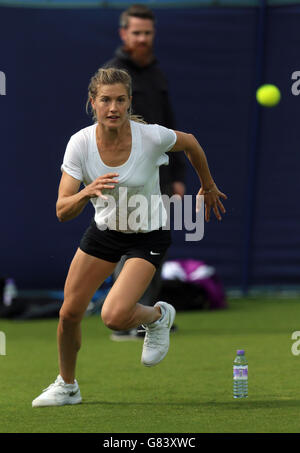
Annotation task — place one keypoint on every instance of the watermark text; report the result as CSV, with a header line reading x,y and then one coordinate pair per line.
x,y
296,85
296,345
2,83
2,343
140,213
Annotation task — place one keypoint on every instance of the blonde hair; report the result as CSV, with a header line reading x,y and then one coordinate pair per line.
x,y
110,76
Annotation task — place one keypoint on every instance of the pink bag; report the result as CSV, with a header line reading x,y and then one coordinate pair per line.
x,y
197,279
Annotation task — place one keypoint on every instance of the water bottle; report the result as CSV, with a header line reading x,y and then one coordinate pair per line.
x,y
240,375
9,292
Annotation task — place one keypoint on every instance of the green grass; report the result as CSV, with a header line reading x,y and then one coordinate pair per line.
x,y
189,392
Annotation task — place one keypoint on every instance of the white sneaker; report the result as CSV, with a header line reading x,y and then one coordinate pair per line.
x,y
58,394
157,338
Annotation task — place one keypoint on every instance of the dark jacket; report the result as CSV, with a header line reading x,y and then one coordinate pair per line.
x,y
150,99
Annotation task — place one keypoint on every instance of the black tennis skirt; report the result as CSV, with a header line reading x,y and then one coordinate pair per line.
x,y
111,245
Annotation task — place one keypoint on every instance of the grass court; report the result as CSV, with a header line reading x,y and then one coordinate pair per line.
x,y
189,392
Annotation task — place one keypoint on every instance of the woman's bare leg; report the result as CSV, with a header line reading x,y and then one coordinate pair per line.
x,y
85,275
121,310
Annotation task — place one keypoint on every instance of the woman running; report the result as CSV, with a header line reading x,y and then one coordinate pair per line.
x,y
117,159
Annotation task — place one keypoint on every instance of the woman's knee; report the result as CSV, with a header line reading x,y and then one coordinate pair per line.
x,y
70,315
115,319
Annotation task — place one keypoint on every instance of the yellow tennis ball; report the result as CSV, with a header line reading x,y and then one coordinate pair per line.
x,y
268,95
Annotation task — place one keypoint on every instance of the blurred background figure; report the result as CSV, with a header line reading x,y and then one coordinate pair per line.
x,y
151,101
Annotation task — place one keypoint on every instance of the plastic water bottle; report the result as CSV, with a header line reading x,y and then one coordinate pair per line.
x,y
9,292
240,375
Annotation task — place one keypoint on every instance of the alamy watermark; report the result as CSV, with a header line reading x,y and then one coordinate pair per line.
x,y
296,85
141,213
296,346
2,343
2,83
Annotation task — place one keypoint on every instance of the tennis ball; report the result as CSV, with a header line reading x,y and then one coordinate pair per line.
x,y
268,95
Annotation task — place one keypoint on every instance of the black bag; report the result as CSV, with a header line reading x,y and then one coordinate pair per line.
x,y
34,308
184,296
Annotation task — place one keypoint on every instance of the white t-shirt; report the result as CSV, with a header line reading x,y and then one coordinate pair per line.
x,y
135,204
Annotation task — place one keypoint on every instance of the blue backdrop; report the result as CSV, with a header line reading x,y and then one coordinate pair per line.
x,y
209,55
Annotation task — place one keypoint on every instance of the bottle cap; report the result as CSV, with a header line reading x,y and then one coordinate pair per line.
x,y
240,352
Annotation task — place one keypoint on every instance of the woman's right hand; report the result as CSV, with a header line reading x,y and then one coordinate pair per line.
x,y
103,182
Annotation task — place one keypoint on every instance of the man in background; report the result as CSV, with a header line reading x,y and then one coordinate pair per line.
x,y
151,101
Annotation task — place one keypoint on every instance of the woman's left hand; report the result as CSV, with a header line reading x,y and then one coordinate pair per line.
x,y
212,201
